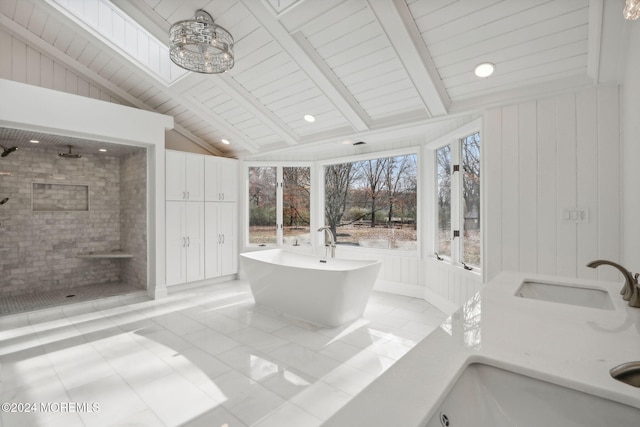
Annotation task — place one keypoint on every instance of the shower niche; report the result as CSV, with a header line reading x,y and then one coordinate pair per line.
x,y
47,197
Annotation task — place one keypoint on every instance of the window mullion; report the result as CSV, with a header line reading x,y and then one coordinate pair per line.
x,y
456,184
279,204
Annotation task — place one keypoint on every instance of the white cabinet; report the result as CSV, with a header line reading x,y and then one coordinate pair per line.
x,y
185,247
220,239
221,179
184,176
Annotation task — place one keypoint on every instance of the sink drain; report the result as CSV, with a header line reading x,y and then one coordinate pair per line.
x,y
444,420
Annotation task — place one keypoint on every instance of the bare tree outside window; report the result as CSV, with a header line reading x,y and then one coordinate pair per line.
x,y
443,172
372,203
262,205
471,197
296,204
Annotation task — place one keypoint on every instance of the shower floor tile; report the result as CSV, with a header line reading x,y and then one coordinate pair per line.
x,y
62,297
201,356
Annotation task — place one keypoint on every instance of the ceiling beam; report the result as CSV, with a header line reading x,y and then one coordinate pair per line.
x,y
44,47
307,60
400,27
150,20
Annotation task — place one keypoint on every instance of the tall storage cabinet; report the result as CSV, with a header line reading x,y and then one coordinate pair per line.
x,y
184,176
201,216
220,237
221,187
185,242
221,178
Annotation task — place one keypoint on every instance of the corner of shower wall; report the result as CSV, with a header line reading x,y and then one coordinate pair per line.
x,y
133,217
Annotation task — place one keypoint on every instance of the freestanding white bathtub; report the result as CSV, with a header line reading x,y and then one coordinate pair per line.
x,y
328,293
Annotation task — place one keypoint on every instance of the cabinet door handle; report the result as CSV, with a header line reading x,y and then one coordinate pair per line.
x,y
188,195
184,242
188,241
184,195
223,239
222,196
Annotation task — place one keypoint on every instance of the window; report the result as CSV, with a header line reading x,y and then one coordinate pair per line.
x,y
372,203
458,201
279,205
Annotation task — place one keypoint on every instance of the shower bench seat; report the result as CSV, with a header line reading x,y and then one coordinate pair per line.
x,y
113,254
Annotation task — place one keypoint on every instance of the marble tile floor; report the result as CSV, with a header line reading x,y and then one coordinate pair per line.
x,y
206,356
62,297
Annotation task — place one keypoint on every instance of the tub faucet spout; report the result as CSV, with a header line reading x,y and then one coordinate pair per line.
x,y
630,292
331,244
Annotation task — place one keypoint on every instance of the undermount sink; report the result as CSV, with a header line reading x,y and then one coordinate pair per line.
x,y
486,396
565,294
628,373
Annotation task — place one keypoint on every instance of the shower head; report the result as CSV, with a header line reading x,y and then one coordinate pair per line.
x,y
70,155
3,201
7,150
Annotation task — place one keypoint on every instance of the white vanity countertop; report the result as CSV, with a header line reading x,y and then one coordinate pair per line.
x,y
567,345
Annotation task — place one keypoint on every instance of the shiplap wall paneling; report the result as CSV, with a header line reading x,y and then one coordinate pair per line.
x,y
567,168
450,282
492,232
587,180
509,184
527,187
555,154
27,65
547,213
609,177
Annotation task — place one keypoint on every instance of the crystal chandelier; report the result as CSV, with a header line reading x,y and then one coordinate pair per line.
x,y
200,45
632,10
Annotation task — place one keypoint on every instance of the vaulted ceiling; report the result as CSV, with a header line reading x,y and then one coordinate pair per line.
x,y
360,67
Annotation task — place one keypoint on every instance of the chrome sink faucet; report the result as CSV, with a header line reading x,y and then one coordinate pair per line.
x,y
330,247
631,290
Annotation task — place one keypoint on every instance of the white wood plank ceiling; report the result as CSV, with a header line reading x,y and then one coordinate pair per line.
x,y
358,66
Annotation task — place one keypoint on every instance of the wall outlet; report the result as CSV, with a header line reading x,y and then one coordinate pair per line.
x,y
575,215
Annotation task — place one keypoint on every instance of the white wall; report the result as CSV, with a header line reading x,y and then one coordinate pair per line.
x,y
24,64
540,158
630,93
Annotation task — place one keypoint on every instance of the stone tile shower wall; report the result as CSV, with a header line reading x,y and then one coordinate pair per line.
x,y
133,217
38,250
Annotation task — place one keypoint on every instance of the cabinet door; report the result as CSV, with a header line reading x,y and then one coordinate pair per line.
x,y
195,240
212,240
194,177
174,176
228,179
176,245
227,223
211,175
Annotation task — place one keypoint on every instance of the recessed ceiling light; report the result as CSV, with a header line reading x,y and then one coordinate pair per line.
x,y
104,150
485,69
309,118
225,141
34,141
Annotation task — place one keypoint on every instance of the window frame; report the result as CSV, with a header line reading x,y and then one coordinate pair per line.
x,y
457,211
279,165
320,196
